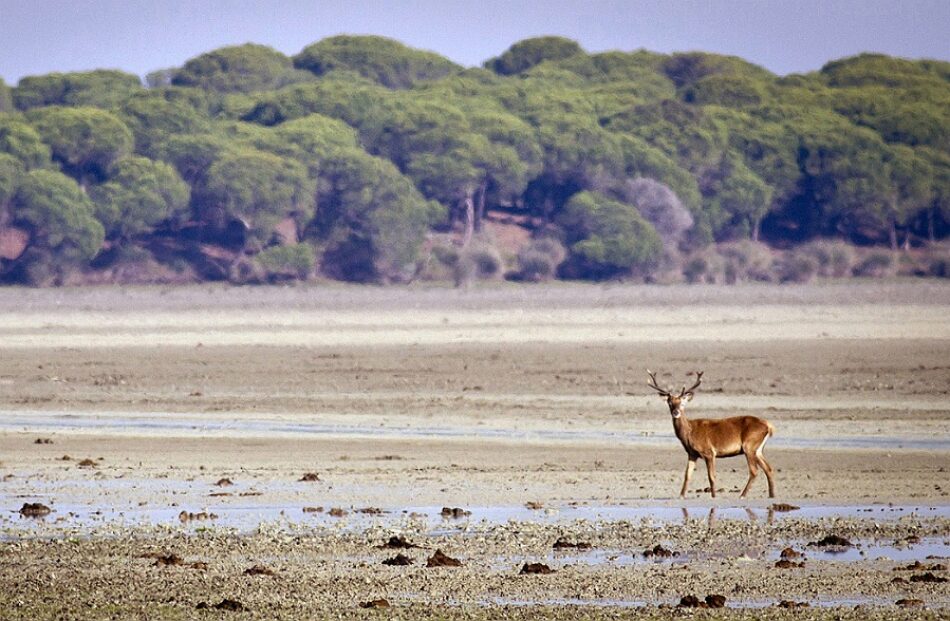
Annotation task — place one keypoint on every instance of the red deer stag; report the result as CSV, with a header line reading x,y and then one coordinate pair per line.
x,y
711,438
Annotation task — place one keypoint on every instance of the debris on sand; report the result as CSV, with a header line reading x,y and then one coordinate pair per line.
x,y
34,509
658,551
187,516
375,603
832,541
536,568
927,577
787,564
918,566
787,603
337,512
534,505
790,553
65,458
220,494
43,441
716,601
454,512
397,542
399,560
313,509
784,507
910,603
310,477
564,544
87,463
441,560
231,605
224,482
258,570
165,560
371,511
711,601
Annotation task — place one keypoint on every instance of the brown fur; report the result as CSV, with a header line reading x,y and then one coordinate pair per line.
x,y
708,439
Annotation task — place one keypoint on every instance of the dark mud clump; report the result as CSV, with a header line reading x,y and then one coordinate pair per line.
x,y
711,601
564,544
398,542
87,463
658,551
909,603
400,560
927,577
337,512
918,566
187,516
375,603
787,564
536,568
166,560
454,512
224,482
310,477
787,603
534,505
313,509
231,605
43,441
832,541
441,560
784,507
34,509
371,511
790,553
258,570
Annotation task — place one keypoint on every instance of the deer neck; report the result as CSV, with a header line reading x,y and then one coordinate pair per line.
x,y
682,427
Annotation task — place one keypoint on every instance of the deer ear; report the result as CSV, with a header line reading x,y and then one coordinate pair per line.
x,y
688,397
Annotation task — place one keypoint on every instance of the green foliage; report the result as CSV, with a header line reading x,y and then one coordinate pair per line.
x,y
238,69
11,170
382,60
607,238
140,195
23,142
58,214
101,89
258,188
530,52
6,97
155,116
86,142
292,261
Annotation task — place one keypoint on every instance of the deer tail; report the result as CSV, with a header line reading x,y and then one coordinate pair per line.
x,y
771,429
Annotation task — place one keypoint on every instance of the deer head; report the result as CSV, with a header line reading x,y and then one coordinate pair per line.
x,y
676,402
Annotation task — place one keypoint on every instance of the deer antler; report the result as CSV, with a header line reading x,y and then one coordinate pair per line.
x,y
699,380
652,384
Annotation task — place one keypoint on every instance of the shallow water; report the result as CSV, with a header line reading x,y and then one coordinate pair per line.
x,y
162,423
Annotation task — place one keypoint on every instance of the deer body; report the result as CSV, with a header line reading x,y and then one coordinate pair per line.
x,y
708,439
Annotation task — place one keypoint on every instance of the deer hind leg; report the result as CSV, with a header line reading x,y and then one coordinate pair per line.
x,y
711,471
768,471
690,466
752,458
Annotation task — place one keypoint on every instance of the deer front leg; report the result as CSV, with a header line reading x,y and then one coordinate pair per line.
x,y
711,471
690,466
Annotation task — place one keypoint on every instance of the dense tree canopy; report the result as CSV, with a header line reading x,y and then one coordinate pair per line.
x,y
360,158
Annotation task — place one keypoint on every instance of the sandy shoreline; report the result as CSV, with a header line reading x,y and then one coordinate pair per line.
x,y
492,402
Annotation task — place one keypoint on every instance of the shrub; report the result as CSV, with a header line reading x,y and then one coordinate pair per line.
x,y
835,258
705,266
478,261
797,267
746,260
877,264
290,261
539,260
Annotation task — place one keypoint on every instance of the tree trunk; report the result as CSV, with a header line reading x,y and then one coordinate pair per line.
x,y
480,206
931,224
756,224
893,234
469,219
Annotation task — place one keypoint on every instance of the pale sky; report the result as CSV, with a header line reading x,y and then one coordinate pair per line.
x,y
785,36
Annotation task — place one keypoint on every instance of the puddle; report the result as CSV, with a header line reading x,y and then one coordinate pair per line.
x,y
820,602
247,513
165,423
